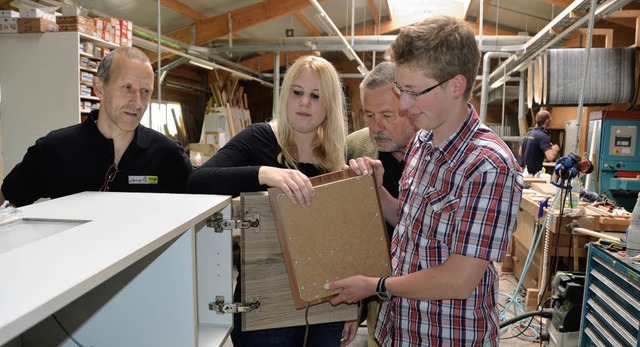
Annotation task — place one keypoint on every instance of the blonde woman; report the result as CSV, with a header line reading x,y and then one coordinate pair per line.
x,y
306,138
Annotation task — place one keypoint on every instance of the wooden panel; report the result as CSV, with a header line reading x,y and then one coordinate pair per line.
x,y
264,276
341,234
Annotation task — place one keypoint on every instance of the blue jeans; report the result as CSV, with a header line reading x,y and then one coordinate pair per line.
x,y
320,335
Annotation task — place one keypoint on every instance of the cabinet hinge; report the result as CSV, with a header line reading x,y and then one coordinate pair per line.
x,y
220,307
219,224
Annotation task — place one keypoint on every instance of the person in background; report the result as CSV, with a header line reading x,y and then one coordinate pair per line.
x,y
386,137
306,138
536,145
110,151
459,197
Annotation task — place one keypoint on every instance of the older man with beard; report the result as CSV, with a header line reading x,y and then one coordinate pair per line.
x,y
386,137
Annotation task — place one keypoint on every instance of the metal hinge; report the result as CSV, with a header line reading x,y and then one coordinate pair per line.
x,y
221,308
219,224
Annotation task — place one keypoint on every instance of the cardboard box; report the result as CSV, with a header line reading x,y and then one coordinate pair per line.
x,y
106,36
74,20
36,25
70,10
87,47
81,28
36,13
85,90
86,77
8,25
9,14
98,23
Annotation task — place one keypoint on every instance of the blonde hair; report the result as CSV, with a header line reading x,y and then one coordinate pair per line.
x,y
329,147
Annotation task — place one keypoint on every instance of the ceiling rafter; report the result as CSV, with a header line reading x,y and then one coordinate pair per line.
x,y
301,17
216,27
182,9
374,12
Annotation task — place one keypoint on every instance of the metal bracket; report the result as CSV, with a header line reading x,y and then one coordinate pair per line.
x,y
221,308
219,224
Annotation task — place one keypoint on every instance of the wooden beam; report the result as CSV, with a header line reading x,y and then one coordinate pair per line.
x,y
307,23
465,10
183,34
385,3
624,14
563,3
182,9
374,12
265,62
216,27
607,33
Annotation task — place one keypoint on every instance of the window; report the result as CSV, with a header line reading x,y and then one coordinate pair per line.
x,y
157,116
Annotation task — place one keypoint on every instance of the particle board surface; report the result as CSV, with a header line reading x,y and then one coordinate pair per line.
x,y
264,276
341,234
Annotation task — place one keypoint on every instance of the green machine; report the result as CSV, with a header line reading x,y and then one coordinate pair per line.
x,y
617,156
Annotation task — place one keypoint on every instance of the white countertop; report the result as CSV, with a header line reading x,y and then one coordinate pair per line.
x,y
43,276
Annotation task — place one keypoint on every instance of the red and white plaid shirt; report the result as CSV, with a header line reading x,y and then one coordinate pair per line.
x,y
461,198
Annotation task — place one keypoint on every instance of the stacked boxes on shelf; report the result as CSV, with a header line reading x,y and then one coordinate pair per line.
x,y
35,20
112,30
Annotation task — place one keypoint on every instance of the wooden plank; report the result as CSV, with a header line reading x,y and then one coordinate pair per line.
x,y
324,242
264,276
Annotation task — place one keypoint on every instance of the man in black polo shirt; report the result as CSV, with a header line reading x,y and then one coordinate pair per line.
x,y
536,145
110,151
389,130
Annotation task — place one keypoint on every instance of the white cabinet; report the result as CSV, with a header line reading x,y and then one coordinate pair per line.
x,y
39,88
130,269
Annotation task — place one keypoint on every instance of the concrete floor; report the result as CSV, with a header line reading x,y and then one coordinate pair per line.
x,y
507,285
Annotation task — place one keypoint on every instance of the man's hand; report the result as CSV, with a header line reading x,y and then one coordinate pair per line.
x,y
365,166
349,332
354,289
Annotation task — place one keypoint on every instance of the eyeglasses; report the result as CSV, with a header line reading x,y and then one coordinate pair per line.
x,y
112,171
414,95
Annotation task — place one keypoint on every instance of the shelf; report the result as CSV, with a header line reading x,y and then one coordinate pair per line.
x,y
100,42
90,56
89,97
88,69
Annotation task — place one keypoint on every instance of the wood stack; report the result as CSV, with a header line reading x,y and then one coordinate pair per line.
x,y
229,96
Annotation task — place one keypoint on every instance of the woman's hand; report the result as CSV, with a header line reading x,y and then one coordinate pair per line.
x,y
292,182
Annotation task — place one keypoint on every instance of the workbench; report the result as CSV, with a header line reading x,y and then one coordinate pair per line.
x,y
570,245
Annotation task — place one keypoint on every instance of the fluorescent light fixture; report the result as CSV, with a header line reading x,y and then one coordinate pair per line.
x,y
199,64
362,70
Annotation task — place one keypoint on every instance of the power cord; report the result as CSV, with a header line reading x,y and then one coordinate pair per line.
x,y
66,332
306,327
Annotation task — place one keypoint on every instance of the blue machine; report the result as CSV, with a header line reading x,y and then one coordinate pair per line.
x,y
617,162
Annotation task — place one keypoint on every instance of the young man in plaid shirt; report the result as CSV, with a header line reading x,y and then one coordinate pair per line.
x,y
459,197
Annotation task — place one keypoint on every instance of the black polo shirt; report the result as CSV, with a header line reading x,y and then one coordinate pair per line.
x,y
76,159
391,179
534,144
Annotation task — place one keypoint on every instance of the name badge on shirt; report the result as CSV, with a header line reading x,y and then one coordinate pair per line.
x,y
143,179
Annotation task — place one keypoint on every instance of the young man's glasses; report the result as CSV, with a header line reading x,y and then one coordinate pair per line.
x,y
414,95
112,171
